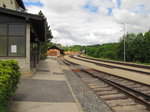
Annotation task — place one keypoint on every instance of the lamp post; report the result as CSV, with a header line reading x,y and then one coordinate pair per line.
x,y
124,42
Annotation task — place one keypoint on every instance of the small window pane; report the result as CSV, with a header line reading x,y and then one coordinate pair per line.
x,y
17,30
3,29
3,46
16,46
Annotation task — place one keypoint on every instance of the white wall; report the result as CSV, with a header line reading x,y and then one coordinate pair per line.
x,y
10,5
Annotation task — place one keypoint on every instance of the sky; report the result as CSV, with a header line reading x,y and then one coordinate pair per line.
x,y
89,22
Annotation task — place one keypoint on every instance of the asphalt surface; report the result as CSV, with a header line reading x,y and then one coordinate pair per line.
x,y
43,91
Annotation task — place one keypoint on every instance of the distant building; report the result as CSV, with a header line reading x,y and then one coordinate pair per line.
x,y
12,4
20,34
54,51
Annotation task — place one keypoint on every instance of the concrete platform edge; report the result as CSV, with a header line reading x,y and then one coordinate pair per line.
x,y
75,98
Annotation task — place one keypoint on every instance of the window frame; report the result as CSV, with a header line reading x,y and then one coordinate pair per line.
x,y
9,36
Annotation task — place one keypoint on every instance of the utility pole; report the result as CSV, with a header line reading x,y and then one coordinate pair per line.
x,y
124,41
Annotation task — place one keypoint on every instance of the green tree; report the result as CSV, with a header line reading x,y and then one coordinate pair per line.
x,y
137,48
147,46
129,38
49,36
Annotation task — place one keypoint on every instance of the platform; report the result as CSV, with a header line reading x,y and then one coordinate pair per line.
x,y
47,91
118,72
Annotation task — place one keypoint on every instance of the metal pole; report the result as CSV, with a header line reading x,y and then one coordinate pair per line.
x,y
124,43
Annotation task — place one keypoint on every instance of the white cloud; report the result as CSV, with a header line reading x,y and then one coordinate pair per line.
x,y
71,23
103,3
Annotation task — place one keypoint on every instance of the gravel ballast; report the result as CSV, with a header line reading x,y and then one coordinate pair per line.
x,y
88,100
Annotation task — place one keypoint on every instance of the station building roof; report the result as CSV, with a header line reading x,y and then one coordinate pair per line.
x,y
38,22
56,47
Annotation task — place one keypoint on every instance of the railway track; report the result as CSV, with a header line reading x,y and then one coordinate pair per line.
x,y
117,62
121,95
118,65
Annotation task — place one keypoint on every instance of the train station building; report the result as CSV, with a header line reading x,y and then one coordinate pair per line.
x,y
20,35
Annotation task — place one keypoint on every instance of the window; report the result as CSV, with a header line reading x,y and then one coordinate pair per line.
x,y
3,46
16,46
3,40
12,40
17,30
3,29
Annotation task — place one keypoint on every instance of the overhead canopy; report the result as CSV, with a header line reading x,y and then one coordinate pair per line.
x,y
38,22
21,4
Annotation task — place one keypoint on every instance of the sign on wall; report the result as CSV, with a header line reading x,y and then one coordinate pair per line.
x,y
13,48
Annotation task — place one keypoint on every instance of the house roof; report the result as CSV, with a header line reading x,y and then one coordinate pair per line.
x,y
21,4
55,47
38,22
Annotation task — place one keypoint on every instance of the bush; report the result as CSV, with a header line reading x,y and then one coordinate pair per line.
x,y
108,55
9,78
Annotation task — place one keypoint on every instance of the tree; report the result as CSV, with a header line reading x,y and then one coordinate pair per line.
x,y
137,47
49,36
147,46
129,38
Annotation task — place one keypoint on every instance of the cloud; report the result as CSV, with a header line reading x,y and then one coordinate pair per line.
x,y
135,22
87,22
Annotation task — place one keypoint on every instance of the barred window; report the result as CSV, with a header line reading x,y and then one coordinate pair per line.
x,y
12,40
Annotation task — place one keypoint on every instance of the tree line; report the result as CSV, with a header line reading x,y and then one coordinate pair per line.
x,y
137,48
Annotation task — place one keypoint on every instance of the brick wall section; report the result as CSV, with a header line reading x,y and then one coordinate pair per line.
x,y
24,62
